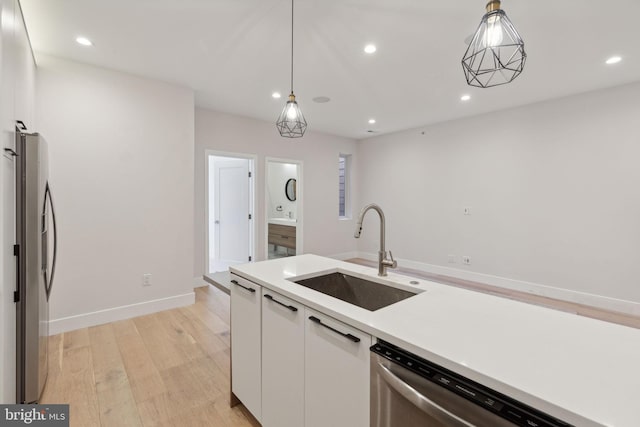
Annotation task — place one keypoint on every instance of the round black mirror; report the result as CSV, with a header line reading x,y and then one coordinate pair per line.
x,y
290,189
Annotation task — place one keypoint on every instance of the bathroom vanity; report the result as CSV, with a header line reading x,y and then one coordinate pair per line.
x,y
301,357
282,235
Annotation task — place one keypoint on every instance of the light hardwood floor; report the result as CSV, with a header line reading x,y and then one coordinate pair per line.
x,y
165,369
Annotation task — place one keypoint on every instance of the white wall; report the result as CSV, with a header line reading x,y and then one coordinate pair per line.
x,y
121,156
324,234
553,191
278,175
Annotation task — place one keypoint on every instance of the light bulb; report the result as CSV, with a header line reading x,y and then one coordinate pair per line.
x,y
493,34
292,114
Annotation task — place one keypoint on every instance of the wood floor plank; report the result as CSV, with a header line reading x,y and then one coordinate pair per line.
x,y
147,321
208,341
223,360
213,321
143,376
78,387
164,352
154,411
193,384
195,416
124,327
115,398
76,339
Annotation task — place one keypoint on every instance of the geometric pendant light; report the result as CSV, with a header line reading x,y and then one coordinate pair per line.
x,y
496,53
291,122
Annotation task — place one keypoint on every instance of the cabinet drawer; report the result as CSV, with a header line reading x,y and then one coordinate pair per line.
x,y
280,240
282,230
282,235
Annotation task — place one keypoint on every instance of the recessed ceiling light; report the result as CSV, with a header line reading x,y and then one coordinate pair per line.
x,y
321,99
370,48
613,60
372,121
465,97
276,95
84,41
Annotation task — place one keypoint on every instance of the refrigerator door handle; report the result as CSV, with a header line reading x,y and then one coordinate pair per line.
x,y
48,281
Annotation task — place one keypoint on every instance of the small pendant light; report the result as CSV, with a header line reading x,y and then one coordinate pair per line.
x,y
496,53
291,123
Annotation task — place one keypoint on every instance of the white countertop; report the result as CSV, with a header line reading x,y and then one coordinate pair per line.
x,y
581,370
283,221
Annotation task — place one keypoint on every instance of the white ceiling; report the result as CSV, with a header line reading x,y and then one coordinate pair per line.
x,y
235,53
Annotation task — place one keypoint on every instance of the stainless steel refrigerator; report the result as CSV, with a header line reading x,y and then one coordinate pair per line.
x,y
36,247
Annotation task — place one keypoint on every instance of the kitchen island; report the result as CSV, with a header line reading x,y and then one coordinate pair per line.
x,y
580,370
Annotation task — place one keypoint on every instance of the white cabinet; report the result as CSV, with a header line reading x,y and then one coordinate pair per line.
x,y
292,366
246,370
336,373
282,361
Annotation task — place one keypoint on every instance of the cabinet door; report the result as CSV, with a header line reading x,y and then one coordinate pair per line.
x,y
245,344
336,373
282,361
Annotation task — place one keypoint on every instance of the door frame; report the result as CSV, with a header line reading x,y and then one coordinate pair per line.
x,y
299,207
253,168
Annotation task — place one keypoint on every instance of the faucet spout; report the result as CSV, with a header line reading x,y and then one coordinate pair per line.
x,y
383,261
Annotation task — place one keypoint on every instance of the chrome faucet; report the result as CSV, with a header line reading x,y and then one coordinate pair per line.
x,y
383,261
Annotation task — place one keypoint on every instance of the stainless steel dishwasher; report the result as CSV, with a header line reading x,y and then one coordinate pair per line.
x,y
408,391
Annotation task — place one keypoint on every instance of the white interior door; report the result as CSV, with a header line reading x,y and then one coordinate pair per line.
x,y
231,213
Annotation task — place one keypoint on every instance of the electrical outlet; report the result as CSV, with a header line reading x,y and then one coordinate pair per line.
x,y
451,259
467,210
146,279
466,260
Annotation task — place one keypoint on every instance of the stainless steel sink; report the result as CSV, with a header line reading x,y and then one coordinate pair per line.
x,y
354,290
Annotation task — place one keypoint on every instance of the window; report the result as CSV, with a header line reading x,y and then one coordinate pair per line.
x,y
344,202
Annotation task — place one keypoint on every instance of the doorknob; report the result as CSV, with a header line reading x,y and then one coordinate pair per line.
x,y
216,221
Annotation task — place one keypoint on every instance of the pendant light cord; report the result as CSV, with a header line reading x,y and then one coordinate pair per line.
x,y
291,46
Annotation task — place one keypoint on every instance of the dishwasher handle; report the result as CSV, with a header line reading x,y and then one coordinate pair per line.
x,y
419,400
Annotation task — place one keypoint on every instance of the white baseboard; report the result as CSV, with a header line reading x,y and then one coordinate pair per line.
x,y
198,282
599,301
100,317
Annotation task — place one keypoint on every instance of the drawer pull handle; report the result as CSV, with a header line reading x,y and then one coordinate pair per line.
x,y
290,307
235,282
347,336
